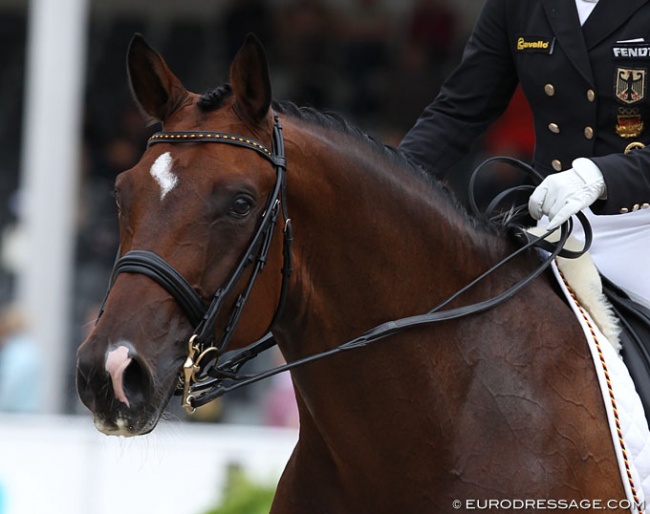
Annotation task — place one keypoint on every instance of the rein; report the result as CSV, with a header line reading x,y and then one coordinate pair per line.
x,y
229,370
204,378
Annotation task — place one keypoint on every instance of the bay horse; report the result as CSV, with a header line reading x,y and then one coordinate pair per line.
x,y
499,404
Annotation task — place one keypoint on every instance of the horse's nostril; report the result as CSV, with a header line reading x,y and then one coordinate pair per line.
x,y
117,377
137,383
129,375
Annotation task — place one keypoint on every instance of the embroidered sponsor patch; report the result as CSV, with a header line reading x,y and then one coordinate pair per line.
x,y
631,50
539,44
630,84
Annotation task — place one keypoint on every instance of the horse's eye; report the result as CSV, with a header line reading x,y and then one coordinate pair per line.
x,y
241,207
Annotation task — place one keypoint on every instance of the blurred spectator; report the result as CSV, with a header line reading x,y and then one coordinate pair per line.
x,y
366,30
111,150
20,365
411,85
242,17
433,25
12,238
305,53
106,157
134,127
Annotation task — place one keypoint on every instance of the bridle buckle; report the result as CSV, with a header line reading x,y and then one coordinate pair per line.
x,y
190,369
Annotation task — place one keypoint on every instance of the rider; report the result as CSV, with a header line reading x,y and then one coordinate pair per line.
x,y
584,68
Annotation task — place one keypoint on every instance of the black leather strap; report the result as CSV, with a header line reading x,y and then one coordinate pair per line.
x,y
190,136
226,377
155,267
635,339
516,217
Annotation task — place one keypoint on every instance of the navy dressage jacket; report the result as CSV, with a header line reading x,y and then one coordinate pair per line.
x,y
587,87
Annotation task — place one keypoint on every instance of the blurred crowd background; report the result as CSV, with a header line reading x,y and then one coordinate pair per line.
x,y
377,63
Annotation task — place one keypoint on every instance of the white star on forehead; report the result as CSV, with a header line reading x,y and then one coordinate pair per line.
x,y
161,170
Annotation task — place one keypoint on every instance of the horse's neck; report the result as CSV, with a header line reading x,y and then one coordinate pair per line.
x,y
375,242
372,245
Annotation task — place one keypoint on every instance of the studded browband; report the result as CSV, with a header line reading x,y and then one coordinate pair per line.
x,y
188,136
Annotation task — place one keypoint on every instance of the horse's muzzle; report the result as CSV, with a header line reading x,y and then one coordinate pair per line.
x,y
117,386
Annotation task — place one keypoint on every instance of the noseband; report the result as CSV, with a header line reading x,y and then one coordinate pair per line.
x,y
200,371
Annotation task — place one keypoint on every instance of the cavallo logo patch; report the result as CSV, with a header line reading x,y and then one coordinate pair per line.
x,y
537,44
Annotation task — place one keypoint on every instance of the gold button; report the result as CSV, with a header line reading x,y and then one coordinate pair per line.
x,y
635,207
557,165
549,89
645,206
589,133
554,127
591,95
624,210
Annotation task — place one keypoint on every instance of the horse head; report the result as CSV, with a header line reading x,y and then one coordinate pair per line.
x,y
195,209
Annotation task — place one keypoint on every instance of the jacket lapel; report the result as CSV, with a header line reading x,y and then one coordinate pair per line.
x,y
563,17
606,17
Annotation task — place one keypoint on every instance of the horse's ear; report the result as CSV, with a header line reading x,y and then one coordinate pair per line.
x,y
249,77
155,88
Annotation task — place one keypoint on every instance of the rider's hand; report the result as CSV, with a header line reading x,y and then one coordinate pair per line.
x,y
562,195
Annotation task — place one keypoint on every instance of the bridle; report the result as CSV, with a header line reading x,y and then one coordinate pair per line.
x,y
200,370
203,377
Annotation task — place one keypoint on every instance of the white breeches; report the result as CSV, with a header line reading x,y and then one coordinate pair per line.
x,y
621,250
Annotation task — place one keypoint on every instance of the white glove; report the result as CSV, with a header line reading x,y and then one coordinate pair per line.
x,y
561,195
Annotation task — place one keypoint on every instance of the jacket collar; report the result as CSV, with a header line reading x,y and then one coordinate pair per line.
x,y
606,17
563,17
576,41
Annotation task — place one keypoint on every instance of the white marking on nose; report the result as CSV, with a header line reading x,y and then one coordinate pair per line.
x,y
116,362
161,170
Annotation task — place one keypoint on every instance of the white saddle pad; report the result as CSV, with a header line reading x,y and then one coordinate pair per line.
x,y
627,422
